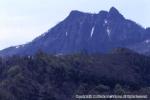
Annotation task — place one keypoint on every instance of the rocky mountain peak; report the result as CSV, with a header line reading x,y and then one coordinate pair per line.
x,y
114,13
113,10
75,12
80,31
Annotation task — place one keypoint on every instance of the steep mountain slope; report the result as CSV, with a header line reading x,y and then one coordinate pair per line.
x,y
143,47
85,32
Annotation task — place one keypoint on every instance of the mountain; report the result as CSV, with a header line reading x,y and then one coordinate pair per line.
x,y
86,32
49,77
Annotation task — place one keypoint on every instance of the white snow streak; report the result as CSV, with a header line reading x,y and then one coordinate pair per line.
x,y
108,32
92,31
66,33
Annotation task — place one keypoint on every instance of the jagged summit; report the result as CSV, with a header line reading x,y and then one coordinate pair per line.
x,y
114,13
113,9
80,31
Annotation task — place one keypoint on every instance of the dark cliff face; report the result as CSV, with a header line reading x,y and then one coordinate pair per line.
x,y
85,32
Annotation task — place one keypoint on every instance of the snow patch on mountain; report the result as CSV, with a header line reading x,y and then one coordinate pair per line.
x,y
105,21
147,41
66,33
92,31
108,31
19,46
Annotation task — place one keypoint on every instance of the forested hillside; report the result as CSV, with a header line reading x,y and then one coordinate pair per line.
x,y
62,77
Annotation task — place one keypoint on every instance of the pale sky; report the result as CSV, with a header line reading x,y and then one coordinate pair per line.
x,y
23,20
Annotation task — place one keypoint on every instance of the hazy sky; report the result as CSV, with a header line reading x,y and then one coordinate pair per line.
x,y
23,20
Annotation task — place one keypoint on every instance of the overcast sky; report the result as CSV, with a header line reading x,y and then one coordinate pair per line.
x,y
23,20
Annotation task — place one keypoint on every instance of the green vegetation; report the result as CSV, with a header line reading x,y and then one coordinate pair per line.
x,y
48,77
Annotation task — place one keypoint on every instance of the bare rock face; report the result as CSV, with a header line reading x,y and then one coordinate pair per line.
x,y
86,32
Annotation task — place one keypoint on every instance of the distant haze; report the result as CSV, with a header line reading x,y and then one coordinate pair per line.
x,y
23,20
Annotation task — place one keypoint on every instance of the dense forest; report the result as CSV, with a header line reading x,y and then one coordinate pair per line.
x,y
62,77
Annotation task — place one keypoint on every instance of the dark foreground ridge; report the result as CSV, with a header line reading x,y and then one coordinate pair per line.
x,y
93,33
47,77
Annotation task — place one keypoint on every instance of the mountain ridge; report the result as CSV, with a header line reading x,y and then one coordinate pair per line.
x,y
93,33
